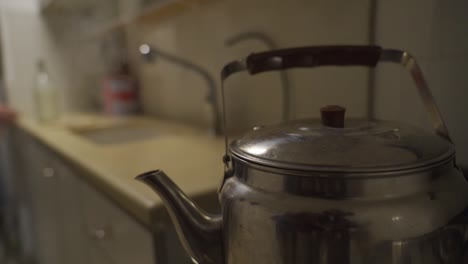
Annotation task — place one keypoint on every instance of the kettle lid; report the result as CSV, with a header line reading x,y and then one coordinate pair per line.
x,y
332,145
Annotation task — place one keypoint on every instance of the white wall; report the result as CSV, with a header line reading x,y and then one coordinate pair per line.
x,y
74,63
20,5
18,30
436,33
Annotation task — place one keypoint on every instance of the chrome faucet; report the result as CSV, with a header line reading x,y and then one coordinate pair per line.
x,y
270,43
149,54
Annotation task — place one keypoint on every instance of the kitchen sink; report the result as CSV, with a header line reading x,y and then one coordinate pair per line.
x,y
119,134
107,131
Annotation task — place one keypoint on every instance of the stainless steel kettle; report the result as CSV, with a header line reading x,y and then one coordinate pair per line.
x,y
330,191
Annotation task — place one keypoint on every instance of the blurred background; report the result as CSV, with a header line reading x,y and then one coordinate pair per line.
x,y
83,41
166,57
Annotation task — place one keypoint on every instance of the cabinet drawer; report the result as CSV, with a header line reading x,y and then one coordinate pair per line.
x,y
114,236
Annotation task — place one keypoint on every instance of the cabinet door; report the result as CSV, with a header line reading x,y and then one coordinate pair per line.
x,y
73,234
42,177
17,220
114,236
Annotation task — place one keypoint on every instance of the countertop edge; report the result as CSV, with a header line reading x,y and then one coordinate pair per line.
x,y
143,210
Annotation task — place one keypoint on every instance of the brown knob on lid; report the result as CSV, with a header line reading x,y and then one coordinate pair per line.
x,y
333,116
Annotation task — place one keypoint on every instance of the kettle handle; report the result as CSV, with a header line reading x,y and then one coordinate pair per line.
x,y
308,57
316,56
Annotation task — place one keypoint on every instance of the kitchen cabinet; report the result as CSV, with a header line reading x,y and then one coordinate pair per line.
x,y
49,192
42,179
73,222
105,17
74,236
74,6
114,235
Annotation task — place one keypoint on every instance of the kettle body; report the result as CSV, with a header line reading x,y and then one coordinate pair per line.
x,y
330,191
282,218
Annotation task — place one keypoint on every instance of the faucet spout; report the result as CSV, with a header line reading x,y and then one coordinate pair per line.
x,y
199,232
150,53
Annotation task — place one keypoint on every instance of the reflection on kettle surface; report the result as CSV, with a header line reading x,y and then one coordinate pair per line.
x,y
305,237
328,238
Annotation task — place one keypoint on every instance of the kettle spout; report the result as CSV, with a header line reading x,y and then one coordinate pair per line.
x,y
199,232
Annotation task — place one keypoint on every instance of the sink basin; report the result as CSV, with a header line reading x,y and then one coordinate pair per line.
x,y
119,134
107,131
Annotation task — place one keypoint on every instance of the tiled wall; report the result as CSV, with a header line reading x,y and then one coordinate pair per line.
x,y
199,36
436,33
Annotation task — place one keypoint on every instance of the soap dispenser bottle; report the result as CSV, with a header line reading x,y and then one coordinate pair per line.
x,y
45,94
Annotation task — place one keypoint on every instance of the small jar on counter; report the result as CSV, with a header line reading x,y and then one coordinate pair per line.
x,y
119,93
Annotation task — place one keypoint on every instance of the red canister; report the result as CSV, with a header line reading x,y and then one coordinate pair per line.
x,y
120,93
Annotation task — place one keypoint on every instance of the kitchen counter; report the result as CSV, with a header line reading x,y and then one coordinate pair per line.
x,y
191,157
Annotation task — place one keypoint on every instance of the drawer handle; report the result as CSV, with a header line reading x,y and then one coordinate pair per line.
x,y
48,172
